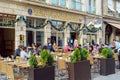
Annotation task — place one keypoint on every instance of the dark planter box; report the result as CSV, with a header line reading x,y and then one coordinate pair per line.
x,y
79,70
46,73
107,66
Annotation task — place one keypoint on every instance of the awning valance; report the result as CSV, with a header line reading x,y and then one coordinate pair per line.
x,y
114,25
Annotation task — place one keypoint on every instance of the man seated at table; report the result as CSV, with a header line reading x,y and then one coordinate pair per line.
x,y
17,51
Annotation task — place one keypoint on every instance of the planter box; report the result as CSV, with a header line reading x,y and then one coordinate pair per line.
x,y
46,73
79,70
107,66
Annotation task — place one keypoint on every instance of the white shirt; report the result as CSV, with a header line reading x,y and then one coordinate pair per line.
x,y
24,55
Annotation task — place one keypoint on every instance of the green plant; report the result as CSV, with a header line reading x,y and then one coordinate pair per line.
x,y
107,53
110,53
79,55
46,58
84,54
33,61
76,56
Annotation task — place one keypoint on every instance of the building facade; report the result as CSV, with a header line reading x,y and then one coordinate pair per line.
x,y
46,20
111,20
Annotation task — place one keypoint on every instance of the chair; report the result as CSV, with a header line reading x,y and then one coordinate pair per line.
x,y
62,70
115,56
90,58
3,71
94,63
11,75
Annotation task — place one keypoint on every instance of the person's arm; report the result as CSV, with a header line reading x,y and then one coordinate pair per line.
x,y
26,55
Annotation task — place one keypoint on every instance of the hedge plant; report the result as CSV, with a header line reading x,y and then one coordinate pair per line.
x,y
107,53
79,55
46,58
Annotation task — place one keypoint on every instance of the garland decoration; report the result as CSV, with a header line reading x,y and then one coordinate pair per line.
x,y
12,22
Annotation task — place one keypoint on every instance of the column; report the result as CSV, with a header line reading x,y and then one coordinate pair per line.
x,y
34,36
47,33
20,29
103,32
66,36
34,31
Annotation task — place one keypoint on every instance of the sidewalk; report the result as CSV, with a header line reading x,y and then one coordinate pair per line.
x,y
115,76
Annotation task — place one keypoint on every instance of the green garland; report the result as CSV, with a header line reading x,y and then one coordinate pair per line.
x,y
12,22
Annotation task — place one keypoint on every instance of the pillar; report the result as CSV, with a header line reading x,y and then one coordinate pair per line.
x,y
103,32
66,35
20,29
47,33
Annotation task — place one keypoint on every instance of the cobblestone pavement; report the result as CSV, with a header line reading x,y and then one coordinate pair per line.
x,y
116,76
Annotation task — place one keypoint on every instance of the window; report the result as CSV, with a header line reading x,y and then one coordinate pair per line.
x,y
73,4
79,5
91,6
39,22
118,9
63,3
30,22
7,18
58,23
55,2
111,5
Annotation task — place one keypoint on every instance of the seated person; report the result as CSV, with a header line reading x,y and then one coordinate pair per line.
x,y
67,48
17,51
24,54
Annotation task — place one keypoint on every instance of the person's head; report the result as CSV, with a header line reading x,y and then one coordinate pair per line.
x,y
90,48
79,46
20,46
114,39
34,47
40,47
33,44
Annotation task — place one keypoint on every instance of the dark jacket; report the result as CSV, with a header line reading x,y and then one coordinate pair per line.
x,y
16,53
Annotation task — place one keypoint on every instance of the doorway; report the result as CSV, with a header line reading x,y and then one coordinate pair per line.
x,y
29,37
7,41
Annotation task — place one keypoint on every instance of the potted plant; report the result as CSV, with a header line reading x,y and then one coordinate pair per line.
x,y
107,62
79,66
43,72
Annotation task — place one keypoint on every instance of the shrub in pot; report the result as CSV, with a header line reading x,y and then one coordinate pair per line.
x,y
79,67
45,71
107,62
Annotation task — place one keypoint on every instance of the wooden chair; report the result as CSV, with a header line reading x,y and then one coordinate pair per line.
x,y
93,63
3,68
11,75
115,56
90,58
62,69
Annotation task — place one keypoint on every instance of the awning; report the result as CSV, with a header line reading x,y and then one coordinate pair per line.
x,y
115,25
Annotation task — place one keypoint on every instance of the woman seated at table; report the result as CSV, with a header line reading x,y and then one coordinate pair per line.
x,y
91,51
24,54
